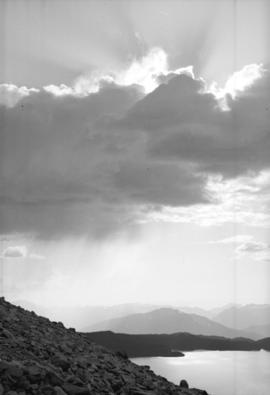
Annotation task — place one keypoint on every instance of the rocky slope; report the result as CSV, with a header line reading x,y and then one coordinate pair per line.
x,y
39,357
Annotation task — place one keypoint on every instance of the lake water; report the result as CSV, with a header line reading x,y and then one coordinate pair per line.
x,y
217,372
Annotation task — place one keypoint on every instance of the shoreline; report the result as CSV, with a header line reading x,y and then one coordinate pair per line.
x,y
172,345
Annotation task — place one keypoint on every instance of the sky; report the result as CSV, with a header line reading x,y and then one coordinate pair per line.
x,y
134,152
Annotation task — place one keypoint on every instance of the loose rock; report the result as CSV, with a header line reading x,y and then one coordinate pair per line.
x,y
184,384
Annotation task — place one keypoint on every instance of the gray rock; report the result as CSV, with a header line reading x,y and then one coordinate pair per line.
x,y
72,389
184,384
48,390
54,378
59,391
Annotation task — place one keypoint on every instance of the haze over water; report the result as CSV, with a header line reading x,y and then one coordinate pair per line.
x,y
218,372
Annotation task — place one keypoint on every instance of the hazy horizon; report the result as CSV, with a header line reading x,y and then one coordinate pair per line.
x,y
151,306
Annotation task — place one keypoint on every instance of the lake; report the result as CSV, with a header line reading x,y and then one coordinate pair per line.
x,y
217,372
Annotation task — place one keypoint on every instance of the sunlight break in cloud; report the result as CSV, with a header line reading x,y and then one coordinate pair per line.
x,y
147,72
10,94
242,79
237,83
144,72
243,200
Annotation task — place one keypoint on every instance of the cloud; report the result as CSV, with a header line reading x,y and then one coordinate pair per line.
x,y
186,122
258,250
238,82
105,154
146,72
15,252
20,252
242,200
253,247
247,245
64,174
233,239
11,94
160,184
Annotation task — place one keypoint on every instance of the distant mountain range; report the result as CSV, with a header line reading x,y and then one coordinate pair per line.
x,y
243,317
80,317
165,320
209,313
233,320
169,345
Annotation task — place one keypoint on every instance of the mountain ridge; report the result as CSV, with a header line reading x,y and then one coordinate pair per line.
x,y
165,320
84,317
244,316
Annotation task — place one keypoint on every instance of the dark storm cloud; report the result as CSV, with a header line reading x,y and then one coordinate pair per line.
x,y
171,105
186,124
160,184
64,173
91,165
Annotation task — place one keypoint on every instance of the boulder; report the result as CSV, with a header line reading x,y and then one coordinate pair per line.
x,y
72,389
59,391
183,384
